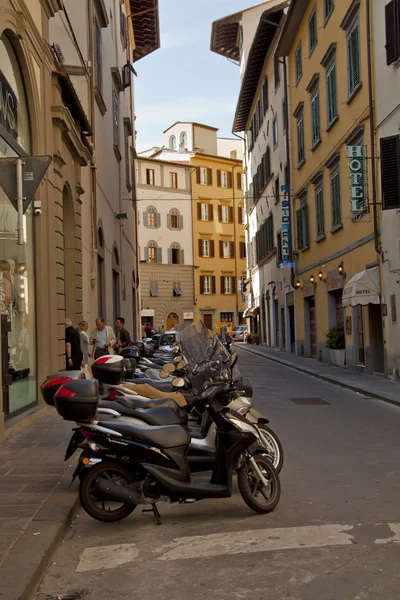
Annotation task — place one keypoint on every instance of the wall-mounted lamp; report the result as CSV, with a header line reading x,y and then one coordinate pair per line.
x,y
297,285
312,279
121,216
321,276
341,268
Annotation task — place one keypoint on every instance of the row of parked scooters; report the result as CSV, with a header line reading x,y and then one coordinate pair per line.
x,y
165,418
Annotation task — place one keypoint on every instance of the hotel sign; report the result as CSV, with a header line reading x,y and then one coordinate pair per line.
x,y
355,154
286,232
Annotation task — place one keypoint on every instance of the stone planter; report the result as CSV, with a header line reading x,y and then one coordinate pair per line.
x,y
338,357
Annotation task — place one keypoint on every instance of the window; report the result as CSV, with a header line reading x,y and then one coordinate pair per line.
x,y
279,257
172,142
205,248
353,59
285,116
174,219
153,288
183,141
265,95
224,179
151,218
300,140
277,72
204,212
319,211
277,191
275,131
203,176
225,214
331,93
226,317
99,67
390,172
315,119
152,253
234,154
226,250
207,284
176,288
336,202
176,255
298,63
265,239
241,215
226,285
312,31
115,104
174,180
392,24
328,8
150,177
239,181
303,238
242,250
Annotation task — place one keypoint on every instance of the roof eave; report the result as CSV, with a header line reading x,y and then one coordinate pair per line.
x,y
290,28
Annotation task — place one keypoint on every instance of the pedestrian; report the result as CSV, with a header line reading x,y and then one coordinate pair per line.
x,y
148,330
225,338
73,350
102,338
83,327
123,335
143,331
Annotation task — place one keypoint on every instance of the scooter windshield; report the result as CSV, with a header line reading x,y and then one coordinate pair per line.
x,y
207,360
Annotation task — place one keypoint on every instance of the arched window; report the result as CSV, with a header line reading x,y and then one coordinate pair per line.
x,y
172,142
152,252
175,254
183,140
151,218
174,219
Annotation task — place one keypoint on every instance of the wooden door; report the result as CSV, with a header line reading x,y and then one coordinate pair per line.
x,y
360,335
313,328
208,321
172,320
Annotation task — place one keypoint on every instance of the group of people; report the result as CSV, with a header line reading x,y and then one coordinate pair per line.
x,y
80,347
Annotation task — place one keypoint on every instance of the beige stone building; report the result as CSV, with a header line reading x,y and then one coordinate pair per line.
x,y
66,88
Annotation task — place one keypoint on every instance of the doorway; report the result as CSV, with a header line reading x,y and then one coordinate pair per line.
x,y
172,320
292,325
208,321
313,327
283,329
376,338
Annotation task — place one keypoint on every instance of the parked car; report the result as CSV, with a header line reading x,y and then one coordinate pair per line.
x,y
239,333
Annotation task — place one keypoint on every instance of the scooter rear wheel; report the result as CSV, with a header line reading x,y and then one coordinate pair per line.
x,y
105,511
261,499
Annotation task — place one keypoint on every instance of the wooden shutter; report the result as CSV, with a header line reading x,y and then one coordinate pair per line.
x,y
182,257
233,285
306,231
200,247
336,200
199,211
319,210
145,218
159,255
158,220
390,172
220,213
240,215
299,230
218,178
201,284
242,247
222,285
221,249
229,179
146,254
169,221
331,93
148,176
239,181
265,94
170,256
353,50
392,18
180,221
212,249
197,174
232,249
230,214
210,212
212,284
209,176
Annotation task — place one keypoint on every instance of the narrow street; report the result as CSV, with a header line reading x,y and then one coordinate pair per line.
x,y
332,537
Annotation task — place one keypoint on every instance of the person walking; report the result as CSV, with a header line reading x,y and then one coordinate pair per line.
x,y
123,335
73,350
102,338
83,327
148,330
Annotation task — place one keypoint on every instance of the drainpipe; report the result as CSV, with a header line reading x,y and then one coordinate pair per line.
x,y
93,167
245,168
372,127
235,239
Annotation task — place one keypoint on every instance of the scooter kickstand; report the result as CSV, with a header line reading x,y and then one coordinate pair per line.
x,y
155,512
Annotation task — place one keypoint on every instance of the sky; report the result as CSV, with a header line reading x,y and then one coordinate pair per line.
x,y
184,80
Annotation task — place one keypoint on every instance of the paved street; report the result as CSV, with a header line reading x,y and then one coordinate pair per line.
x,y
334,535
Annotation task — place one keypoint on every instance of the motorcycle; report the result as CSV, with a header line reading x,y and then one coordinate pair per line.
x,y
129,465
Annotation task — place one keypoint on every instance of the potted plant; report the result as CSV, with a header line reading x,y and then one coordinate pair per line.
x,y
336,342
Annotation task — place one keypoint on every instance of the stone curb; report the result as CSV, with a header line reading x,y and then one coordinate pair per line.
x,y
22,570
330,379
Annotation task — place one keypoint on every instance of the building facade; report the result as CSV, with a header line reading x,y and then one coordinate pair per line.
x,y
387,88
333,180
166,242
56,105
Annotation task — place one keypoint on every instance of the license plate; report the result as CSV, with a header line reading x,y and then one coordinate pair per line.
x,y
73,445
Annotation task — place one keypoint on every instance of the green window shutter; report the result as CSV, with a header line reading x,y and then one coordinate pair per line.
x,y
390,172
331,93
300,139
319,211
315,118
353,59
305,224
336,202
299,64
299,230
392,31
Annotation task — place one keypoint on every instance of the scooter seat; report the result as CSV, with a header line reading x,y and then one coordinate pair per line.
x,y
171,436
135,402
158,384
152,416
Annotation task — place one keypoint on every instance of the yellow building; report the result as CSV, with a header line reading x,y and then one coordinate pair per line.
x,y
218,236
332,180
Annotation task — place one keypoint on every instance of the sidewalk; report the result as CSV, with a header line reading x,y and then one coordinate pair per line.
x,y
35,502
370,385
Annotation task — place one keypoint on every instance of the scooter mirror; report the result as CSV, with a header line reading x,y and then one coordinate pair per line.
x,y
181,365
234,358
177,359
169,367
178,382
164,374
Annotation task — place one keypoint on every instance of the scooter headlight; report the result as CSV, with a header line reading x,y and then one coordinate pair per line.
x,y
244,426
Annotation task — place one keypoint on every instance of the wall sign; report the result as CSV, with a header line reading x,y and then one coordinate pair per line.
x,y
355,154
187,316
147,312
8,107
286,232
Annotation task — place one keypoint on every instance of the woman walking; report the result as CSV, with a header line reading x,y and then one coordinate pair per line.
x,y
83,327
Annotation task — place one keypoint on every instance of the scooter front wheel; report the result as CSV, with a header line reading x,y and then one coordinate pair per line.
x,y
259,484
273,445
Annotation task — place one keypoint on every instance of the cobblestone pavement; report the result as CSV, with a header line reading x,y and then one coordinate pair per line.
x,y
334,535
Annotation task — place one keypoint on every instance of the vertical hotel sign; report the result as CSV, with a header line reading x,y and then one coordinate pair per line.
x,y
355,154
286,233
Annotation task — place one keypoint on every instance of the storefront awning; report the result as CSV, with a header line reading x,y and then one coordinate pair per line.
x,y
246,313
363,288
